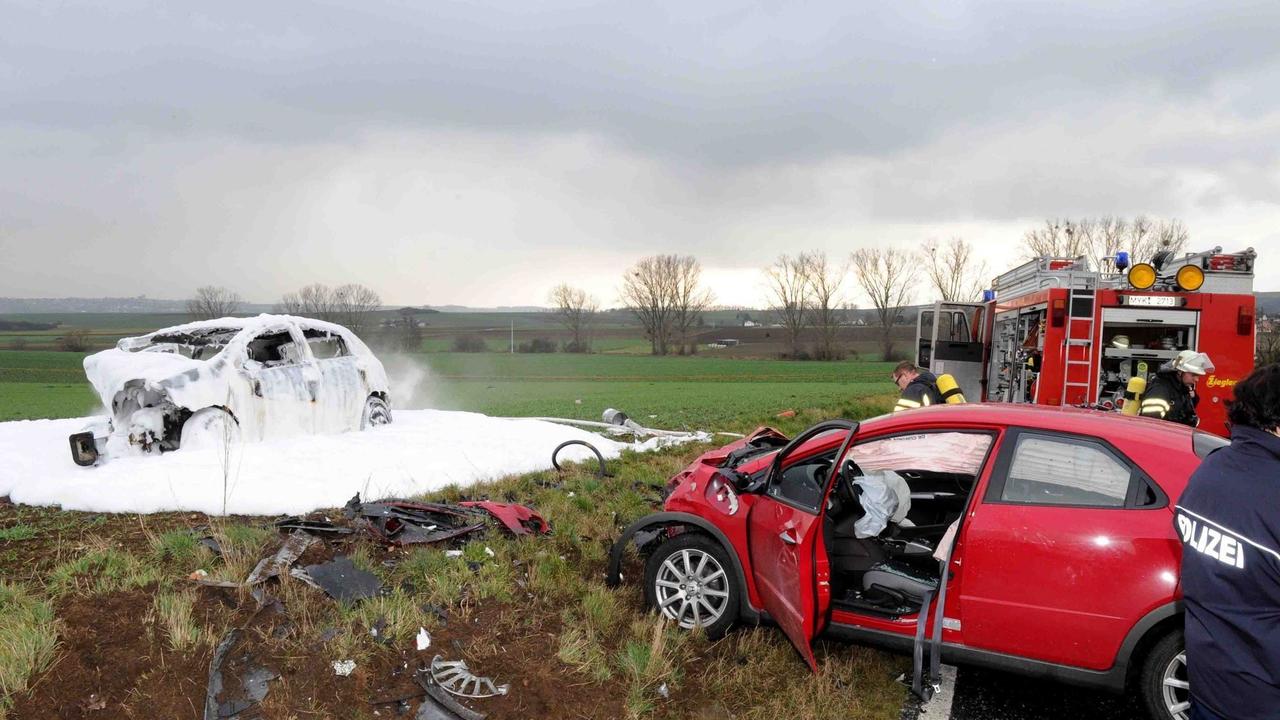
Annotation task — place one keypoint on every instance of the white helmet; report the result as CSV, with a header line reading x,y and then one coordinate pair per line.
x,y
1196,363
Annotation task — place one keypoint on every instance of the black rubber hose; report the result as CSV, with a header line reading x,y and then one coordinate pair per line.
x,y
601,472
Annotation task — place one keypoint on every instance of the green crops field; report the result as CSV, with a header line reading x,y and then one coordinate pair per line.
x,y
674,392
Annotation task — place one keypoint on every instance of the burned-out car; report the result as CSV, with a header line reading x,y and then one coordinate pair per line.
x,y
217,381
1034,540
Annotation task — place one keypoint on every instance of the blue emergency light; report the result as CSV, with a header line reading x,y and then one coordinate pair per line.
x,y
1122,260
988,295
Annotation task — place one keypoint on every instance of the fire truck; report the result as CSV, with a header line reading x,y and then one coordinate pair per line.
x,y
1054,331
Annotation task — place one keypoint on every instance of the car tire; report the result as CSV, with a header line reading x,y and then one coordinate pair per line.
x,y
1162,680
210,427
690,580
376,412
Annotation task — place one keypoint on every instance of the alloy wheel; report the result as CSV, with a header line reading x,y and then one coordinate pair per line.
x,y
1175,689
692,588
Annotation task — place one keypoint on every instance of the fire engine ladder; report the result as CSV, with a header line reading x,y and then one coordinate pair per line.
x,y
1081,300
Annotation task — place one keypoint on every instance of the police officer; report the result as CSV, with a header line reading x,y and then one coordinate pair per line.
x,y
1172,394
1229,524
919,387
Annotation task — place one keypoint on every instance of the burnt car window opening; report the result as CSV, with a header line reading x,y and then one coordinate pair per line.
x,y
200,345
1053,471
274,349
325,345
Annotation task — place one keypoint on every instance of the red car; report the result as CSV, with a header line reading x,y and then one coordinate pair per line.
x,y
1062,558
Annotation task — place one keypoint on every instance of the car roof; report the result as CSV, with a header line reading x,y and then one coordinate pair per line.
x,y
1112,426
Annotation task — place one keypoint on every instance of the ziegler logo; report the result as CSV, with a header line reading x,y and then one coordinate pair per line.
x,y
1215,381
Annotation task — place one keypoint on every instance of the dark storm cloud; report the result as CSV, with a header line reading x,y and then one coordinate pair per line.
x,y
725,85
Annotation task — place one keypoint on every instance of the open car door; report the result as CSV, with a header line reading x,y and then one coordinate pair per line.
x,y
948,340
788,556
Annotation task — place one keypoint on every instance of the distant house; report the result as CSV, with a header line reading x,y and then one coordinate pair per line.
x,y
726,342
750,323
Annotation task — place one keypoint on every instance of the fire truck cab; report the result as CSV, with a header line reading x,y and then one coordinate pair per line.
x,y
1053,331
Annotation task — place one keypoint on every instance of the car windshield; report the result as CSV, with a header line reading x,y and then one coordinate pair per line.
x,y
197,345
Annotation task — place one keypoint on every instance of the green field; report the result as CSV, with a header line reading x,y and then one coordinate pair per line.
x,y
674,392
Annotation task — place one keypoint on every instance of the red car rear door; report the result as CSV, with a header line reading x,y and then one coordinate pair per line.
x,y
1068,545
788,558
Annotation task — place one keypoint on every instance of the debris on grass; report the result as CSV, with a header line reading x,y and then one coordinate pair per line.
x,y
455,677
343,581
322,528
423,639
220,702
343,668
401,522
437,698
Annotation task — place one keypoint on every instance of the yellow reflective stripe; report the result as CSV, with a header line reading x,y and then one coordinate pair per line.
x,y
1156,403
905,404
926,400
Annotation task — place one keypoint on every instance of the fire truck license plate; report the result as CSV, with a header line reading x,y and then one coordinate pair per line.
x,y
1152,300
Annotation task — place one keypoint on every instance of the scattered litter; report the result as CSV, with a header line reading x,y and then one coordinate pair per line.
x,y
378,631
453,553
424,639
401,522
438,702
787,414
322,528
211,544
253,684
343,668
489,551
457,678
438,611
198,574
269,567
398,522
518,519
664,691
95,702
343,581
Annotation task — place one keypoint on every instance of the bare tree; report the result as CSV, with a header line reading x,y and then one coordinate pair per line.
x,y
787,289
888,277
646,291
577,312
827,306
664,293
689,300
213,302
354,306
1268,340
316,300
1099,239
953,270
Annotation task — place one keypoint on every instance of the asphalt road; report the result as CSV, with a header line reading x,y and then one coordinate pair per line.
x,y
989,695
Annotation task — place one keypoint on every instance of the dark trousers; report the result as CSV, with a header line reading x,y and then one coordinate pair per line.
x,y
1200,712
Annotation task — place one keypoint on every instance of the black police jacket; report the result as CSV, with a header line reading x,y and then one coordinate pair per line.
x,y
1228,519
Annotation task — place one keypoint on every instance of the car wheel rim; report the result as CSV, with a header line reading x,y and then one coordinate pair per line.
x,y
1175,688
692,589
379,414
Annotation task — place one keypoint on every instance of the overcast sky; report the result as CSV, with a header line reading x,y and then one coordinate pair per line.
x,y
479,153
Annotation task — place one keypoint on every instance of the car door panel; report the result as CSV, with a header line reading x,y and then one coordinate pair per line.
x,y
1060,583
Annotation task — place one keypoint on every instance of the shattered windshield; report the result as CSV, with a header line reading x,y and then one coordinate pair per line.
x,y
197,345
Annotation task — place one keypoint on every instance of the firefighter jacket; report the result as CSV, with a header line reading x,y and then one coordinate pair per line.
x,y
920,392
1168,398
1230,532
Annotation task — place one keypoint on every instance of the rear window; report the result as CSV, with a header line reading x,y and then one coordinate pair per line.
x,y
1204,443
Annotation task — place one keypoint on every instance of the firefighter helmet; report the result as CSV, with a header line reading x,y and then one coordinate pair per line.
x,y
1196,363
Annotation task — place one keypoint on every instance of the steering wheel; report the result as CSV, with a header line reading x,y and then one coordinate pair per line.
x,y
844,483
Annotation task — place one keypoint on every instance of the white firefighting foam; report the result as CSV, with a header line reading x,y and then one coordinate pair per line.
x,y
422,450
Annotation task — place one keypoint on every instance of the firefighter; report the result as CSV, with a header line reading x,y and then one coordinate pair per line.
x,y
1230,533
1172,394
919,387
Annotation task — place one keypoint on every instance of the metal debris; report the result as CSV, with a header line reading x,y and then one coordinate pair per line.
x,y
399,522
438,698
517,519
253,684
457,678
322,528
343,581
269,567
